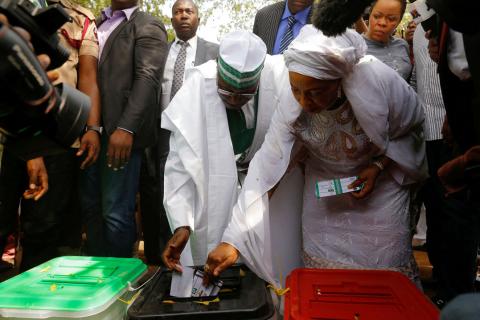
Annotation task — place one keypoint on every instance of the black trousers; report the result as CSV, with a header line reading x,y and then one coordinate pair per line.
x,y
452,230
47,224
156,230
13,182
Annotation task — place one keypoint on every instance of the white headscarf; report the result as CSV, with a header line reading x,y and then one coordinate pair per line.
x,y
315,55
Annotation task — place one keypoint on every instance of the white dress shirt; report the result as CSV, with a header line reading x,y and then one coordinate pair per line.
x,y
426,81
169,65
457,60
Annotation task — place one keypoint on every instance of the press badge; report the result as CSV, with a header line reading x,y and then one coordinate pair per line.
x,y
334,187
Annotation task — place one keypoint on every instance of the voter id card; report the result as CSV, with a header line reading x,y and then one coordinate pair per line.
x,y
334,187
199,290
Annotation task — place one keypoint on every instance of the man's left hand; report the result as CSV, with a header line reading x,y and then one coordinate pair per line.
x,y
90,142
452,174
119,149
38,179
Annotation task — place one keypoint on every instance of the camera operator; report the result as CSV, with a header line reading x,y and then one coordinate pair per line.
x,y
38,177
53,222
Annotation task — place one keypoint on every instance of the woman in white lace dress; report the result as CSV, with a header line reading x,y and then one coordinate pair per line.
x,y
357,117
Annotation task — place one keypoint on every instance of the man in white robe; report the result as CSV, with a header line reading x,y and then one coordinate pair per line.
x,y
218,120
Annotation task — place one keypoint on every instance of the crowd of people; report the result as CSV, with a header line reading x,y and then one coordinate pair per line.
x,y
207,134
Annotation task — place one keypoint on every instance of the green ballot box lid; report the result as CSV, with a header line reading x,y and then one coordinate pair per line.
x,y
68,287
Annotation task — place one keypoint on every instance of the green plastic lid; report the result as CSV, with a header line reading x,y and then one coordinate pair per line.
x,y
69,285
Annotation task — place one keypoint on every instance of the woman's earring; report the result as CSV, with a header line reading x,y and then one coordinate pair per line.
x,y
339,91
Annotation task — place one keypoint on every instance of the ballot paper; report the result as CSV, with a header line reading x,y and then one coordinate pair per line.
x,y
334,187
182,283
189,283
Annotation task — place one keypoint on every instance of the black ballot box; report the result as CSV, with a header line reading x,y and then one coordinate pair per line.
x,y
243,296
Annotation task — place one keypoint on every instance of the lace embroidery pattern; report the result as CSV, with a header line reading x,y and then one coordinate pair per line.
x,y
333,135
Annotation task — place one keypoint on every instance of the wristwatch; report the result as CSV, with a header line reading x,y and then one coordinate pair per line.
x,y
97,129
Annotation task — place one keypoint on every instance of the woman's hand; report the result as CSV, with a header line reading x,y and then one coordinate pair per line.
x,y
220,258
367,177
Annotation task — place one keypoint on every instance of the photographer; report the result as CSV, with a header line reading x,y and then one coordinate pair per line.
x,y
54,220
39,178
27,149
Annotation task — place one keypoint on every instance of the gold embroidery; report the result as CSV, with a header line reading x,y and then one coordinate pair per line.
x,y
356,129
332,149
345,114
349,145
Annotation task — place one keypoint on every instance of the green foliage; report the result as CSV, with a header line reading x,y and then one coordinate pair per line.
x,y
225,15
154,7
94,5
235,14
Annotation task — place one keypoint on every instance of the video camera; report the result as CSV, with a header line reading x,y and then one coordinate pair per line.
x,y
25,91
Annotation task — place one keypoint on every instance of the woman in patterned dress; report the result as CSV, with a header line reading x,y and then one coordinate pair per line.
x,y
357,117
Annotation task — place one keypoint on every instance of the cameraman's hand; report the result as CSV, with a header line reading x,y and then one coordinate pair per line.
x,y
90,142
119,148
38,179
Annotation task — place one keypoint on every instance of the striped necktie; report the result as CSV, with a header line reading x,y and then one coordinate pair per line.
x,y
288,35
179,69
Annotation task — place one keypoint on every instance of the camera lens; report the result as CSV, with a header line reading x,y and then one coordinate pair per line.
x,y
70,113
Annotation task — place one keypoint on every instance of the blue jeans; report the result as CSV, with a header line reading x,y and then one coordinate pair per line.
x,y
463,307
107,200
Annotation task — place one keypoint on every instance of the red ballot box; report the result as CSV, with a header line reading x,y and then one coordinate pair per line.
x,y
355,295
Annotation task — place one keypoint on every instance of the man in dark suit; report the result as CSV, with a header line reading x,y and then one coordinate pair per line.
x,y
279,23
185,21
133,48
456,49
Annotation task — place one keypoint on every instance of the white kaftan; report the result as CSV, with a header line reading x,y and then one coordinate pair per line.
x,y
201,182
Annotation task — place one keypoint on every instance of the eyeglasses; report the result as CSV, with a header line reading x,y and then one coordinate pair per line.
x,y
234,94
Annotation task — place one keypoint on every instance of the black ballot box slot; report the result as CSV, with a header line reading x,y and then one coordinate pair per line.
x,y
243,296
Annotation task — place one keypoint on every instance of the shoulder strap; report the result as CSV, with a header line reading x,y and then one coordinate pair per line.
x,y
85,29
77,44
